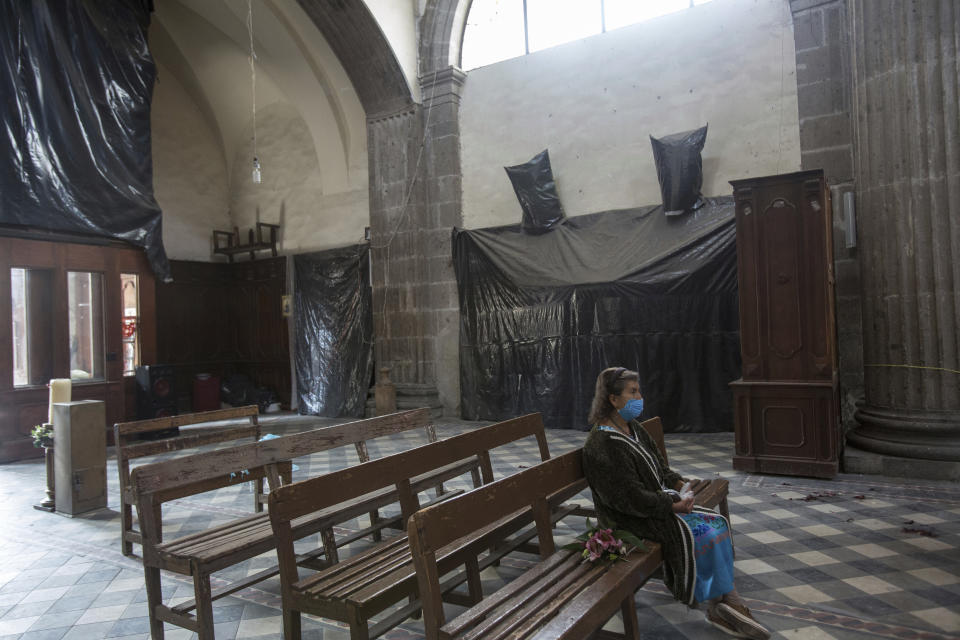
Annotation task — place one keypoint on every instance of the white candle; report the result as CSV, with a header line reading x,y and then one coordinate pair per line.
x,y
59,392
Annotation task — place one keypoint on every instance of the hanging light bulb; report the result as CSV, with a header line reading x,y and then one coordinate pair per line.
x,y
256,170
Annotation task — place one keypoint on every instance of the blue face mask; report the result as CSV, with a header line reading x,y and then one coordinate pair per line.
x,y
632,410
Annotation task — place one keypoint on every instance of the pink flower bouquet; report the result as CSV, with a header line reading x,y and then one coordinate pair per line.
x,y
604,543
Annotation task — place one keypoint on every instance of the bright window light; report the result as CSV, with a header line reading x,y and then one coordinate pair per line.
x,y
499,30
620,13
554,22
494,32
85,320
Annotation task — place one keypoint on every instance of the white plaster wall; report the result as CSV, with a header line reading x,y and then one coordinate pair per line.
x,y
310,126
398,22
594,103
291,192
189,174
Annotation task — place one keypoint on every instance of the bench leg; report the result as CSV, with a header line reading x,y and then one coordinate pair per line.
x,y
330,546
154,600
257,492
724,509
725,512
201,593
475,476
631,626
358,627
374,520
474,584
126,524
291,624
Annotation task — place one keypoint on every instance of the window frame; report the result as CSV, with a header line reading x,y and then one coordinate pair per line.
x,y
526,30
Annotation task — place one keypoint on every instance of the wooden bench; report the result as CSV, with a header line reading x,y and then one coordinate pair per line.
x,y
130,445
710,493
363,586
203,553
560,597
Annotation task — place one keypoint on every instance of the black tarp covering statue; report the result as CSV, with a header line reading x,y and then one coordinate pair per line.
x,y
537,193
334,331
680,169
76,82
542,315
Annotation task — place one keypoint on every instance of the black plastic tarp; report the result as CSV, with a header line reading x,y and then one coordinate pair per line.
x,y
76,81
541,316
680,169
537,193
334,331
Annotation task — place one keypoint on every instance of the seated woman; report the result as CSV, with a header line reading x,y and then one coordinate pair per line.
x,y
635,489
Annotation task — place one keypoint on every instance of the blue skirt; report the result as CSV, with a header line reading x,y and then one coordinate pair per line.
x,y
713,551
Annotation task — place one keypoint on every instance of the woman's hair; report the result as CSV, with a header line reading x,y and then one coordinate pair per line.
x,y
611,381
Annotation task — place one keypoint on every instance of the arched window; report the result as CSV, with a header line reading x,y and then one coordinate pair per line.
x,y
501,29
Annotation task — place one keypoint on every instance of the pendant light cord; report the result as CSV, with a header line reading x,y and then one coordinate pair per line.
x,y
253,75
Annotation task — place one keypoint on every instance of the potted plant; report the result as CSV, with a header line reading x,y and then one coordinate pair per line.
x,y
42,436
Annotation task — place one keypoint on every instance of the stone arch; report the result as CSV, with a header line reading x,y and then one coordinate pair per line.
x,y
356,39
441,34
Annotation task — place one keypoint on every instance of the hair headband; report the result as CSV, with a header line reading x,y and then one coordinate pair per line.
x,y
616,376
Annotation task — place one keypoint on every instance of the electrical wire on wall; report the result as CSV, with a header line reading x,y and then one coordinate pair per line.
x,y
405,207
253,92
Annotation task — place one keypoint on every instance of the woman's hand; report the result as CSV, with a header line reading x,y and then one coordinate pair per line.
x,y
683,506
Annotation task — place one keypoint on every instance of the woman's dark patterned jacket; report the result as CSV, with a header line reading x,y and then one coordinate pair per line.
x,y
626,477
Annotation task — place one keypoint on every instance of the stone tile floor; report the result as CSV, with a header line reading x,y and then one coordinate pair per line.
x,y
850,558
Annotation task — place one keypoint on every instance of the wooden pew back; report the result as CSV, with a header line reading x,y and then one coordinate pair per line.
x,y
129,446
330,489
172,479
429,530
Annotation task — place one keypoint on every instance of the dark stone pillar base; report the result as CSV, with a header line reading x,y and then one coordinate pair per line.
x,y
859,461
410,396
901,433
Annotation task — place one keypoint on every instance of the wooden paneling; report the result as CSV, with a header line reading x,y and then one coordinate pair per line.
x,y
786,402
23,407
783,428
224,319
786,306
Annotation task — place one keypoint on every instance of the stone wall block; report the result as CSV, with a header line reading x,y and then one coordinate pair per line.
x,y
821,98
445,215
442,112
438,238
799,6
848,313
444,128
448,189
837,163
825,131
440,269
847,277
822,62
443,160
427,322
443,296
808,30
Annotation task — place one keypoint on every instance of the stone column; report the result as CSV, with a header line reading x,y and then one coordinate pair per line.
x,y
415,200
441,91
907,174
397,217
